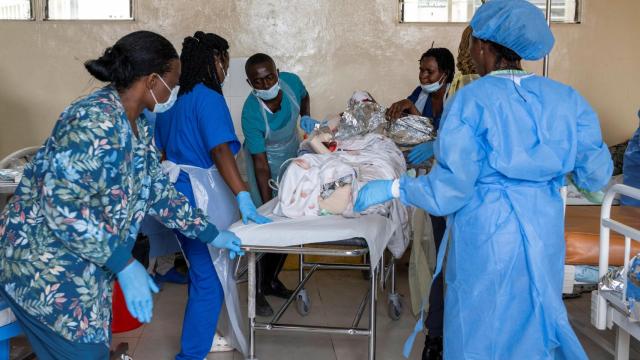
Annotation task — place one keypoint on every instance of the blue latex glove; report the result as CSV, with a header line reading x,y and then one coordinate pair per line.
x,y
373,193
248,209
308,124
137,285
421,153
228,240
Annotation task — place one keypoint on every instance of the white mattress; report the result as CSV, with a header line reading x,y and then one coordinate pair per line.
x,y
283,232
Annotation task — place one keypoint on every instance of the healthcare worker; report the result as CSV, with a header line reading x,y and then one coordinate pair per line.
x,y
437,71
270,126
198,139
434,321
506,143
72,223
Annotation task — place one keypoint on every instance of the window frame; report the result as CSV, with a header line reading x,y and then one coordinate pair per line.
x,y
32,13
401,3
45,14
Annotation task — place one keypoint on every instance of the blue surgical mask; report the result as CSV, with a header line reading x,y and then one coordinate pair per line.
x,y
433,87
162,107
269,94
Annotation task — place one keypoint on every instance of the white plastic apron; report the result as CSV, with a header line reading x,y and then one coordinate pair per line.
x,y
214,197
281,145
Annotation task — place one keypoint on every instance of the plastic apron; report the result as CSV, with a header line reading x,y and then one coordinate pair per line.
x,y
281,145
216,200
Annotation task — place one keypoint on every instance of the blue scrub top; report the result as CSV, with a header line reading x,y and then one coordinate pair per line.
x,y
253,122
198,122
428,107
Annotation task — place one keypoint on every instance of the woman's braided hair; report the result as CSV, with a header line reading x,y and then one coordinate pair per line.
x,y
198,61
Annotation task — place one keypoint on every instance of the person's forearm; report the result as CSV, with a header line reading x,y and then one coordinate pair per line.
x,y
305,106
226,164
263,174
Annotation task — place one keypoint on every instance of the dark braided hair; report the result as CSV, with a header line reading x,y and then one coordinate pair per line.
x,y
198,61
444,59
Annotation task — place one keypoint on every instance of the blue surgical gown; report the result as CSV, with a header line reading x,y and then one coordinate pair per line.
x,y
505,146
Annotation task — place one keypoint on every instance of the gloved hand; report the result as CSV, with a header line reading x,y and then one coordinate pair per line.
x,y
308,124
228,240
136,285
421,153
373,193
596,197
248,209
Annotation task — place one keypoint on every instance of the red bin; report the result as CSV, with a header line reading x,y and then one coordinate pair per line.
x,y
122,319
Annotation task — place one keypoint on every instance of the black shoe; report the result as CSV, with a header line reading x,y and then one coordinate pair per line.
x,y
432,348
277,289
262,306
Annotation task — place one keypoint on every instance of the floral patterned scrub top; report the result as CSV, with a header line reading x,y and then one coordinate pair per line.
x,y
75,216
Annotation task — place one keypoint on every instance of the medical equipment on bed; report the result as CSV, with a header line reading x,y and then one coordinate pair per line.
x,y
608,308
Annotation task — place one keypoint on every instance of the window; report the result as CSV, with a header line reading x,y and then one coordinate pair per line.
x,y
412,11
16,10
89,10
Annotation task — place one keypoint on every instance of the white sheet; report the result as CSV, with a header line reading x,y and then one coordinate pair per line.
x,y
375,229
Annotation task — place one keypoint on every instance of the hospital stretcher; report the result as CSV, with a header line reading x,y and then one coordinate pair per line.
x,y
608,310
369,234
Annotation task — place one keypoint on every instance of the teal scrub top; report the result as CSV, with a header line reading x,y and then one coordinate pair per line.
x,y
253,122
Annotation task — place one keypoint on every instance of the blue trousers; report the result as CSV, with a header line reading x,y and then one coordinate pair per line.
x,y
204,302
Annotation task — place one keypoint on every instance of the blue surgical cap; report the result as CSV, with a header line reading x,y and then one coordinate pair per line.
x,y
514,24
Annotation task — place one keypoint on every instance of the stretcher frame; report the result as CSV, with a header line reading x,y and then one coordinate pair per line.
x,y
607,310
306,270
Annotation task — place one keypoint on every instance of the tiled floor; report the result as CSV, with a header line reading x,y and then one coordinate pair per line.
x,y
335,297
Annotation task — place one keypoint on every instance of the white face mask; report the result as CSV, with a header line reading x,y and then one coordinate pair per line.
x,y
226,75
269,94
433,87
162,107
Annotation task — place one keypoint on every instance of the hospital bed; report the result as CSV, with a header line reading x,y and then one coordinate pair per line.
x,y
368,234
582,236
608,310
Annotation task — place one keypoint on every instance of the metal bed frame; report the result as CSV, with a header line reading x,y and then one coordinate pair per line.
x,y
608,310
303,303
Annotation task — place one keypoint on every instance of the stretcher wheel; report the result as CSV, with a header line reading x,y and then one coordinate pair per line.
x,y
303,303
395,307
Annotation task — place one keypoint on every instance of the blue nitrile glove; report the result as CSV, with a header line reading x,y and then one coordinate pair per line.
x,y
373,193
308,124
136,285
421,153
228,240
248,209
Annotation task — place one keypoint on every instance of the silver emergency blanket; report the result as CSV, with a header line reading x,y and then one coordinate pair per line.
x,y
361,118
613,281
411,130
